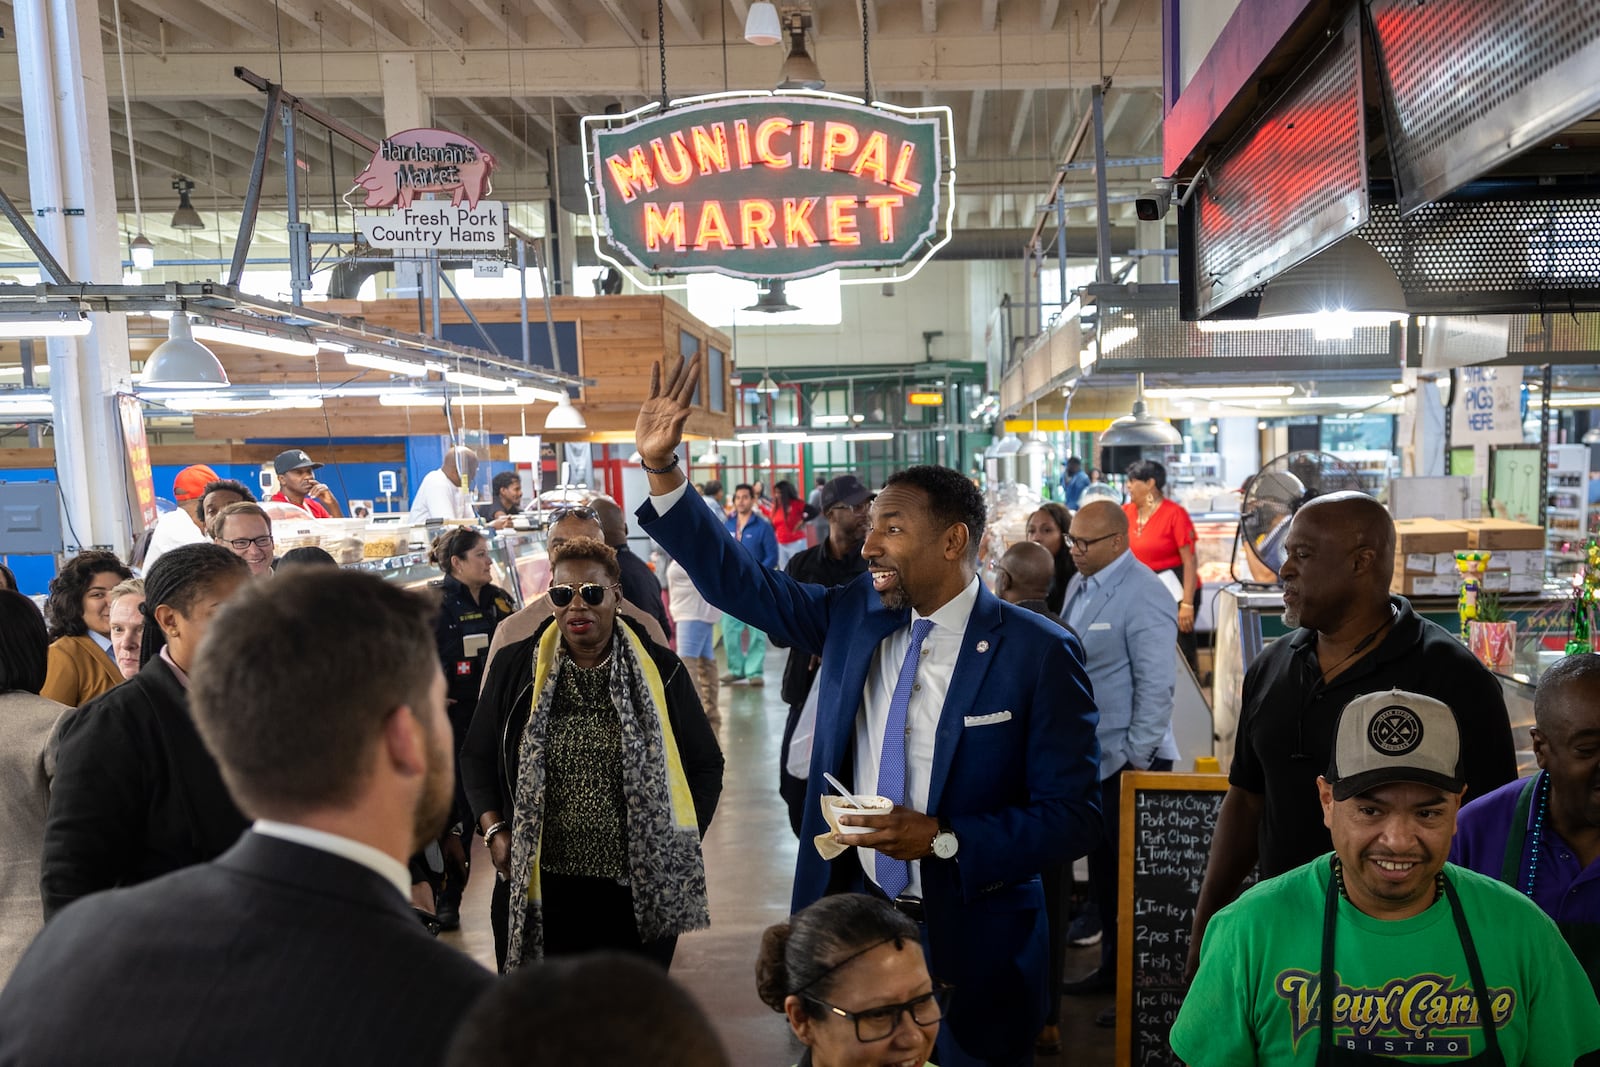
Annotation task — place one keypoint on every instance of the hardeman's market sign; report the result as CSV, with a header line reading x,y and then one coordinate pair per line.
x,y
779,185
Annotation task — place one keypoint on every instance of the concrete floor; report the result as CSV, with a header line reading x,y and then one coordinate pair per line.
x,y
749,855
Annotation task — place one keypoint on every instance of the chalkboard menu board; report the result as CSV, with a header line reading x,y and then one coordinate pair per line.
x,y
1165,841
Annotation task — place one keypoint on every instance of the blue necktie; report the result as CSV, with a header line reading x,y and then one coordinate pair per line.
x,y
894,875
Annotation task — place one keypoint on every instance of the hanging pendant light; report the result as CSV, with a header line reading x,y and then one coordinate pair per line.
x,y
181,362
761,26
142,252
186,217
1140,429
799,69
564,416
771,298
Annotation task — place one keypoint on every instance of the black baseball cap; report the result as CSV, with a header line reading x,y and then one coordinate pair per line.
x,y
846,490
1395,736
293,460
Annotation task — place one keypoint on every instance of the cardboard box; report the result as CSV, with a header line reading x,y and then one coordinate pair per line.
x,y
1425,585
1501,535
1417,536
1417,563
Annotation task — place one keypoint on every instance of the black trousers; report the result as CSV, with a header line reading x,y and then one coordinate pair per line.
x,y
580,915
1103,865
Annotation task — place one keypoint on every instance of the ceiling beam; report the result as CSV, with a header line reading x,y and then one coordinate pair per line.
x,y
997,210
624,17
450,36
871,7
990,20
1071,111
364,12
975,121
253,18
1105,9
1115,112
503,20
930,16
193,19
1047,14
564,17
686,19
1019,125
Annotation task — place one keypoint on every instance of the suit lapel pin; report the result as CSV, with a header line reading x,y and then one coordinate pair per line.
x,y
983,646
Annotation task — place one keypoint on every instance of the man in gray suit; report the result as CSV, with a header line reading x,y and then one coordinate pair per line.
x,y
1128,622
298,945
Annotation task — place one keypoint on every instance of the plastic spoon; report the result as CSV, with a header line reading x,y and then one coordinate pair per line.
x,y
843,791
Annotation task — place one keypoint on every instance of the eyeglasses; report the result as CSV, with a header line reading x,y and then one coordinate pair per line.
x,y
242,544
1079,544
593,594
863,506
586,513
877,1024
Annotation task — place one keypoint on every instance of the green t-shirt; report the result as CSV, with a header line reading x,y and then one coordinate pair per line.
x,y
1404,988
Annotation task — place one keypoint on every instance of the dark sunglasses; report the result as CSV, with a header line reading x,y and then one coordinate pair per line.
x,y
586,513
593,595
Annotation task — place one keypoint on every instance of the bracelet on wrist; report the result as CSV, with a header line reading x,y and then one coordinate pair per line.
x,y
659,470
488,834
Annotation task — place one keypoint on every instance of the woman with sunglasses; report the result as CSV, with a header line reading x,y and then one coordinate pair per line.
x,y
850,975
136,794
593,774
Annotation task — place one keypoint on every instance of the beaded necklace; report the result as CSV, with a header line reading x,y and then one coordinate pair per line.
x,y
1538,831
1338,878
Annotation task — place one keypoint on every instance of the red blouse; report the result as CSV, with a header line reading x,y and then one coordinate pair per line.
x,y
1168,530
788,526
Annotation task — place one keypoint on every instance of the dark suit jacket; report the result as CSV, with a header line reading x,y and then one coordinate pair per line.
x,y
1016,771
273,954
136,793
641,587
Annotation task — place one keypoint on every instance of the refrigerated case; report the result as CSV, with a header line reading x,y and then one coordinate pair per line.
x,y
1566,507
521,566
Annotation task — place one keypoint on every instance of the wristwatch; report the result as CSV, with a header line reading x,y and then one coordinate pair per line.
x,y
944,842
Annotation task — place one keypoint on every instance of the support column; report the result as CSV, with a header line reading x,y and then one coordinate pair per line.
x,y
67,125
405,107
1152,269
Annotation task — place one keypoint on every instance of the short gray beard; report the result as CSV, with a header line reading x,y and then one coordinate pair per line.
x,y
1291,618
895,598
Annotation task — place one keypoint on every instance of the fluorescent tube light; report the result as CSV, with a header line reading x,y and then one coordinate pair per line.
x,y
478,381
423,400
46,325
386,363
1223,392
265,342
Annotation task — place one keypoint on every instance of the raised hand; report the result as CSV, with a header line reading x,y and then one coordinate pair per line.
x,y
659,428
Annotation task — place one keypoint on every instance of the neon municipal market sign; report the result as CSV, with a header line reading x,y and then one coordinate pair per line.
x,y
770,185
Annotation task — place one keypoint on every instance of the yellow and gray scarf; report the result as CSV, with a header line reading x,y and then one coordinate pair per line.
x,y
665,867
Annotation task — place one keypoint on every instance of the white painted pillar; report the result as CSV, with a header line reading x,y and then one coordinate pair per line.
x,y
405,107
1153,235
70,182
1239,443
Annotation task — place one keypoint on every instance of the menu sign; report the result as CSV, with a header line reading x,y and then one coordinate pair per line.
x,y
130,413
770,186
1166,839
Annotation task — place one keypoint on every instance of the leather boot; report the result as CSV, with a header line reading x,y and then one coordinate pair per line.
x,y
705,680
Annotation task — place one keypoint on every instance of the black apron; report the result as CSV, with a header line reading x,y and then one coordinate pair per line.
x,y
1329,1055
1583,937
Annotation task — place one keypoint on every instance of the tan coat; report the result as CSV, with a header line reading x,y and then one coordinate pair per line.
x,y
79,671
28,727
522,625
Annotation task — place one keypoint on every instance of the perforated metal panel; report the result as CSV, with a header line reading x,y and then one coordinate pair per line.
x,y
1471,83
1295,182
1493,254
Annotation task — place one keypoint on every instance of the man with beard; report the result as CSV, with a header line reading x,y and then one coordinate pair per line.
x,y
298,945
1541,835
1351,637
1413,959
836,561
972,716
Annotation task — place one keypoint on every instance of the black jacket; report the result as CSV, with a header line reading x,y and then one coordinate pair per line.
x,y
641,587
273,954
817,566
135,795
489,753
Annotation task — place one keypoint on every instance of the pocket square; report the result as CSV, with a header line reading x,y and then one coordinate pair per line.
x,y
987,720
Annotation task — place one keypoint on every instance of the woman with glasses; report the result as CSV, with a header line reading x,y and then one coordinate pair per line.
x,y
850,975
471,608
245,530
593,774
78,611
136,793
1048,527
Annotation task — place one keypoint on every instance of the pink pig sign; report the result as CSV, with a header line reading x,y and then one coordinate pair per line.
x,y
413,162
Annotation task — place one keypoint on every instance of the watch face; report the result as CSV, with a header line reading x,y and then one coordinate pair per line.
x,y
944,845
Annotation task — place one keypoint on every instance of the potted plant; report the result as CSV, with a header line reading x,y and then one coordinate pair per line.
x,y
1491,637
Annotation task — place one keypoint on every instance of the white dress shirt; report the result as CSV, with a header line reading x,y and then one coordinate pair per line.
x,y
438,498
940,650
393,871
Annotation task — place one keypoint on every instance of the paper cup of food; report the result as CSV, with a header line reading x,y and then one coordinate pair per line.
x,y
874,806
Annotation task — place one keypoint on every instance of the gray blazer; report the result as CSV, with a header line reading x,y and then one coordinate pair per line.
x,y
1129,632
28,725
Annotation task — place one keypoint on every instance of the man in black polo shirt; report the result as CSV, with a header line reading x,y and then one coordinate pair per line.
x,y
1352,638
835,561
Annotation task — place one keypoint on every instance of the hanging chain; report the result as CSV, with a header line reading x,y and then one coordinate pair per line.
x,y
866,67
661,46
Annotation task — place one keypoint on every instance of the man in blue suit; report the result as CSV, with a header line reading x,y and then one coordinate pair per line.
x,y
1128,620
974,716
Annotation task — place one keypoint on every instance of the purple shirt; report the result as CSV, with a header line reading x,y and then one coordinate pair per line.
x,y
1563,890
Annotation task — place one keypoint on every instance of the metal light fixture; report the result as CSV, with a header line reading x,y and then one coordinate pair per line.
x,y
770,298
767,385
799,69
1140,429
186,217
140,250
1349,276
143,252
181,362
564,416
761,25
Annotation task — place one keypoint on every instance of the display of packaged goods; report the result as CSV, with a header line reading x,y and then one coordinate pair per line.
x,y
1501,534
1428,536
1425,585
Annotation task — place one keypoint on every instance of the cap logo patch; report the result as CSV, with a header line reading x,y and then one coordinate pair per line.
x,y
1395,731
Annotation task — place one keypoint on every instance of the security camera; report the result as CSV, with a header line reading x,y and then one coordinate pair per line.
x,y
1153,206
